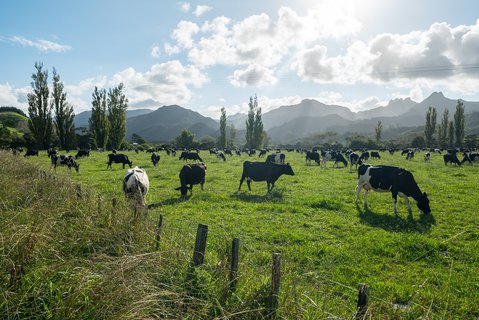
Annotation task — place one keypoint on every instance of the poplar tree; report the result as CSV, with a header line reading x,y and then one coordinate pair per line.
x,y
258,132
98,121
63,114
250,122
222,139
430,126
378,130
459,123
450,135
442,129
117,107
232,136
39,110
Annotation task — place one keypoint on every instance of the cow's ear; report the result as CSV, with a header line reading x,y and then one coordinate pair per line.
x,y
424,194
287,164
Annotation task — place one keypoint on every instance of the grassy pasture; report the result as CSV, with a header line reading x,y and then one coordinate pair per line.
x,y
417,266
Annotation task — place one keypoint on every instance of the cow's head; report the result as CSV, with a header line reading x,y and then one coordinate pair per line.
x,y
130,163
184,190
76,166
287,169
423,204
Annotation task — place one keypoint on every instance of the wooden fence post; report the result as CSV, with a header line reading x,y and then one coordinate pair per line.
x,y
200,245
363,297
234,264
158,232
275,283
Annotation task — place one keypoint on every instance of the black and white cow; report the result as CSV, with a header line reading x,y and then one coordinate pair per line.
x,y
228,152
220,154
262,153
375,155
185,155
82,153
51,152
470,157
31,152
278,158
410,155
451,158
190,175
396,180
118,158
333,155
354,159
312,155
364,155
427,156
136,185
64,160
155,158
264,171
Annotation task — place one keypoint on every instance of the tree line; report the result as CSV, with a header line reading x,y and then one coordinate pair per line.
x,y
448,133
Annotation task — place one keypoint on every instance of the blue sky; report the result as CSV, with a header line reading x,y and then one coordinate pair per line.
x,y
209,54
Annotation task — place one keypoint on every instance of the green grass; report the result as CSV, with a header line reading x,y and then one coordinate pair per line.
x,y
417,267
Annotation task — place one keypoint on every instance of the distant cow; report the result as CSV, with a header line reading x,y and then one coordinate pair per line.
x,y
82,153
364,155
51,152
427,156
451,158
220,154
312,155
262,153
410,155
278,158
251,152
264,171
397,180
64,160
185,155
228,152
355,160
118,158
155,158
375,155
136,185
190,175
470,157
333,155
31,152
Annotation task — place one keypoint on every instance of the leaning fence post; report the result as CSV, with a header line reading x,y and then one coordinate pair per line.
x,y
275,283
363,296
200,245
158,232
234,264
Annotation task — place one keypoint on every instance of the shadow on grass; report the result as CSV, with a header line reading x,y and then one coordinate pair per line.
x,y
273,196
168,202
396,223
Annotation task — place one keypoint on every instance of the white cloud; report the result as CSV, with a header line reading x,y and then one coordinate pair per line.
x,y
170,50
40,44
15,97
155,52
185,6
200,10
253,75
184,32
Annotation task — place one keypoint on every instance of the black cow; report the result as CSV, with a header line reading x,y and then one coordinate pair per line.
x,y
228,152
82,153
155,158
185,155
410,155
262,153
220,154
397,180
238,152
354,159
375,155
471,157
191,174
31,152
338,157
278,158
51,152
264,171
312,155
64,160
251,152
451,158
118,158
364,155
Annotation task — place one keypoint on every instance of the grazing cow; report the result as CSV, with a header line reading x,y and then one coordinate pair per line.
x,y
437,151
333,155
397,180
375,155
220,154
471,157
185,155
262,153
51,152
427,156
451,158
31,152
410,155
354,159
251,152
364,155
64,160
213,150
82,153
136,185
264,171
155,158
391,151
228,152
312,155
118,158
238,152
191,174
278,158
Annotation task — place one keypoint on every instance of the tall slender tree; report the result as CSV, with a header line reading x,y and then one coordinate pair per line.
x,y
222,138
253,103
378,130
98,121
232,136
63,114
442,130
430,126
117,107
258,132
459,123
39,110
450,134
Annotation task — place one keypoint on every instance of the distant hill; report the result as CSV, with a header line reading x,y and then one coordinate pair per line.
x,y
394,108
14,120
81,119
166,123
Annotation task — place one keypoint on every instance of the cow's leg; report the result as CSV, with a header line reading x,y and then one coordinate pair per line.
x,y
272,186
241,182
406,199
358,191
201,184
248,181
395,200
365,198
123,166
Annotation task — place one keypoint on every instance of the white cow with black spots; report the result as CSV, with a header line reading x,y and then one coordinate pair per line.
x,y
136,185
